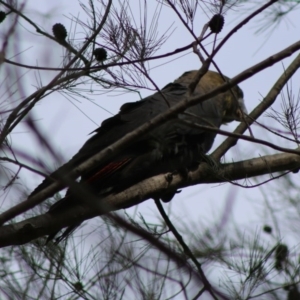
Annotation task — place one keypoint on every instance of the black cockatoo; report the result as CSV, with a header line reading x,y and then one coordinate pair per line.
x,y
173,146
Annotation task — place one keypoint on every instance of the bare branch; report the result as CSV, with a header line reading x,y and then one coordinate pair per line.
x,y
25,231
262,107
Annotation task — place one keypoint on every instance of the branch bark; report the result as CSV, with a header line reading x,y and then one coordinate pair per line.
x,y
32,228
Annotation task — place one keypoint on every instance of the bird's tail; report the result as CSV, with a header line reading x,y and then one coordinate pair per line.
x,y
59,207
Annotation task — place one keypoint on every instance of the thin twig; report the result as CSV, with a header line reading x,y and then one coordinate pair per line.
x,y
186,249
55,81
23,166
262,107
39,30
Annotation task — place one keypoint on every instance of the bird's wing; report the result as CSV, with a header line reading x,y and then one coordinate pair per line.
x,y
131,116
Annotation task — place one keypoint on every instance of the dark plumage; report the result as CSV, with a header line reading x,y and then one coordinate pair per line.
x,y
171,147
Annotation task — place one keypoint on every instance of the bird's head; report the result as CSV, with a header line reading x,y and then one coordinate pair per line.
x,y
231,102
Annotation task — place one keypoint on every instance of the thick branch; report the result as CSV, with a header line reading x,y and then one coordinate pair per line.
x,y
25,231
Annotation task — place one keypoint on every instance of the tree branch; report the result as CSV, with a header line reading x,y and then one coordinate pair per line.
x,y
35,97
27,230
186,249
262,107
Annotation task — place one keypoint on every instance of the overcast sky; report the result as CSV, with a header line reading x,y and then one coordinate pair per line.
x,y
67,124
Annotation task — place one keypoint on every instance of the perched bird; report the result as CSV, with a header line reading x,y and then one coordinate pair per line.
x,y
172,146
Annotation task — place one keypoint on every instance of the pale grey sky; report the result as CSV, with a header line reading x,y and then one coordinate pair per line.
x,y
69,127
